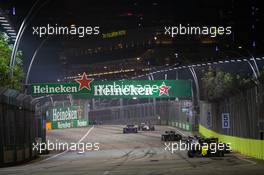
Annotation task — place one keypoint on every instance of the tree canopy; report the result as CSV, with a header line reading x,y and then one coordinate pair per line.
x,y
218,84
5,70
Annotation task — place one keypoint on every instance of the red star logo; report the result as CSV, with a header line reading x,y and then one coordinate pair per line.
x,y
163,89
84,82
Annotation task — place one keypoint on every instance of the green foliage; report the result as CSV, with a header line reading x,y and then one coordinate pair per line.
x,y
261,76
5,54
217,85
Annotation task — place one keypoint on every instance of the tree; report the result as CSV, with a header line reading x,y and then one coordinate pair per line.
x,y
5,70
217,85
261,77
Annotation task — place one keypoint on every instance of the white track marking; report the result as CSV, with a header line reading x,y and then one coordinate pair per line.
x,y
5,169
86,134
83,137
106,172
246,160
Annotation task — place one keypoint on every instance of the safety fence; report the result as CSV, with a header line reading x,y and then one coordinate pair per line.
x,y
173,113
238,120
19,127
240,115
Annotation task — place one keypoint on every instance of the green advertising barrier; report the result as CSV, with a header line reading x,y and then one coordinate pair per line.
x,y
182,125
67,117
66,113
249,147
119,89
69,124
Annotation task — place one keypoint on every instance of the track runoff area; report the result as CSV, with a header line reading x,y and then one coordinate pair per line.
x,y
129,149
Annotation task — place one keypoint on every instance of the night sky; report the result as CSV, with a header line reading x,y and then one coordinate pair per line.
x,y
141,18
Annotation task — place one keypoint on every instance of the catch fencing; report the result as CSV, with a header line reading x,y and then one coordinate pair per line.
x,y
238,120
245,114
173,113
19,127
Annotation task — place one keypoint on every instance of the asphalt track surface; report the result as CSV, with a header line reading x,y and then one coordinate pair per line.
x,y
127,154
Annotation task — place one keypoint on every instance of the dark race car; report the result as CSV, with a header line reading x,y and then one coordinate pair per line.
x,y
211,150
130,129
145,127
171,136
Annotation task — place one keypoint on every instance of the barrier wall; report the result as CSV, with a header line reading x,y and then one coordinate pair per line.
x,y
245,114
249,147
19,127
66,116
69,124
237,119
182,125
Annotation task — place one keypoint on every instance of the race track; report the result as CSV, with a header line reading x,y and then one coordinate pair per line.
x,y
125,154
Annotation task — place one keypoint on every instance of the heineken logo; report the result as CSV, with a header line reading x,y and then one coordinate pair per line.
x,y
55,89
126,88
67,117
163,89
69,124
62,114
130,90
63,125
84,82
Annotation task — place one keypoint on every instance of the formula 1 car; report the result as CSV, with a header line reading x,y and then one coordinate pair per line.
x,y
130,129
171,136
206,147
145,127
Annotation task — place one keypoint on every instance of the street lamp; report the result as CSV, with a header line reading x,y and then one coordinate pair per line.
x,y
20,34
17,41
32,60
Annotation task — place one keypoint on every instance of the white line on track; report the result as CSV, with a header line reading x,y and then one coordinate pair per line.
x,y
246,160
83,137
6,169
52,157
106,172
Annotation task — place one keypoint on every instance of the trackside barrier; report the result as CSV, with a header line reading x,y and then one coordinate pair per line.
x,y
174,113
67,124
183,125
19,126
250,147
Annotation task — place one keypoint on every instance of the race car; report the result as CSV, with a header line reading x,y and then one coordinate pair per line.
x,y
206,147
145,127
171,136
130,129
